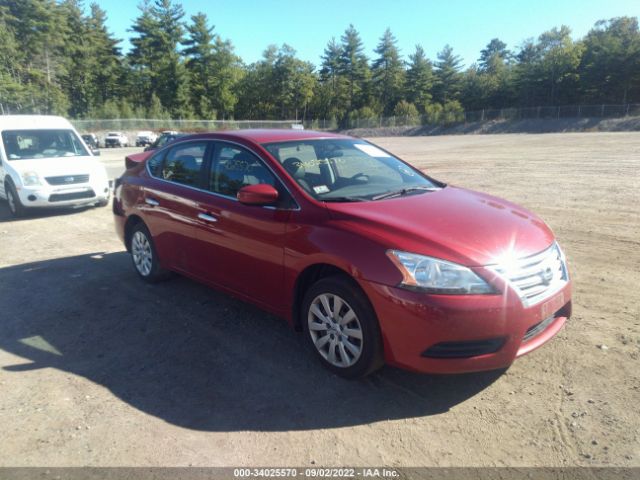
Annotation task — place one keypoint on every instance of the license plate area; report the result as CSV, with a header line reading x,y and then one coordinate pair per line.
x,y
552,305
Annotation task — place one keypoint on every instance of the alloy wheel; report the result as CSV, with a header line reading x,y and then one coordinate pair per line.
x,y
335,330
142,253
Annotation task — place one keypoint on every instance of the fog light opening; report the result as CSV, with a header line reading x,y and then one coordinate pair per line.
x,y
32,198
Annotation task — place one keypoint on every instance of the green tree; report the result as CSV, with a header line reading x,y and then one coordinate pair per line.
x,y
200,64
449,78
420,79
354,68
41,27
494,56
155,58
388,72
560,58
108,70
610,66
331,91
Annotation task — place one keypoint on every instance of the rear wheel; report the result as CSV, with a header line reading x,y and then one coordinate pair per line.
x,y
13,200
342,327
144,256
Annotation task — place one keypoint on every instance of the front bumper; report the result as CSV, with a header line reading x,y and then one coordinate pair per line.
x,y
420,331
64,195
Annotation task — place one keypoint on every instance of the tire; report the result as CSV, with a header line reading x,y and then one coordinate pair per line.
x,y
144,256
336,315
16,208
103,203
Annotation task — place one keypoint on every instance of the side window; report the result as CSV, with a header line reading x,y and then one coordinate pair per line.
x,y
234,168
155,164
183,164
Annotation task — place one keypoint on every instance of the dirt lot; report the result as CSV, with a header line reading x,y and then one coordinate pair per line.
x,y
97,368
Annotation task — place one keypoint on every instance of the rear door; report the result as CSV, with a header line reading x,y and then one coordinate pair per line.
x,y
171,202
243,246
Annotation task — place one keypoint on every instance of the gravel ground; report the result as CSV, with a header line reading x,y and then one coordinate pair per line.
x,y
97,368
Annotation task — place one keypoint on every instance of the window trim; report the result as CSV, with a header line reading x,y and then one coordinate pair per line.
x,y
211,148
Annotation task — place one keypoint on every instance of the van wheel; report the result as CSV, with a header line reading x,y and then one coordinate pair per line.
x,y
144,256
342,328
16,208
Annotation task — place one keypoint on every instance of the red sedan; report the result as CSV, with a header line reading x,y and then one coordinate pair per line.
x,y
374,260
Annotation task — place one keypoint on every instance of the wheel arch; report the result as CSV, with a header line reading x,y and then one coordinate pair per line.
x,y
131,222
307,277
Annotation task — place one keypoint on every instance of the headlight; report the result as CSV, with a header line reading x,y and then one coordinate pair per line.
x,y
30,179
437,276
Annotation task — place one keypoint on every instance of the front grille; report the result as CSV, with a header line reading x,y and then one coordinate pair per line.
x,y
67,179
464,349
536,277
63,197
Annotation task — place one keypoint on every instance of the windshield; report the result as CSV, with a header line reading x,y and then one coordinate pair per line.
x,y
348,170
30,144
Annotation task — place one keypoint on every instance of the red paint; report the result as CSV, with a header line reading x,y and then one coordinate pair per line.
x,y
257,253
260,194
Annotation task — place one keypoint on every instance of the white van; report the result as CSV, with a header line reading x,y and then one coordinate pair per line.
x,y
45,163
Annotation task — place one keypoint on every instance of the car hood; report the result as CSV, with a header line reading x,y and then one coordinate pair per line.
x,y
50,167
454,224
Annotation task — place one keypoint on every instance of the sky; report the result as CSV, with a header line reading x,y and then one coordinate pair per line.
x,y
467,25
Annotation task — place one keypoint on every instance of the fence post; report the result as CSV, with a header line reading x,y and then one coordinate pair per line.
x,y
626,111
602,111
579,111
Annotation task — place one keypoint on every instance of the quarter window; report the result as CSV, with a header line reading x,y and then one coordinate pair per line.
x,y
235,168
183,164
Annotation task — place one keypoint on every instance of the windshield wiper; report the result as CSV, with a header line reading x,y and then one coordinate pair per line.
x,y
343,199
404,191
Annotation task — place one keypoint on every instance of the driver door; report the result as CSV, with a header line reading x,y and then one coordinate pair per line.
x,y
242,245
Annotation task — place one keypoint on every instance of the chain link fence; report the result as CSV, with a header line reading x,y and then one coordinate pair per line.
x,y
542,112
132,124
564,111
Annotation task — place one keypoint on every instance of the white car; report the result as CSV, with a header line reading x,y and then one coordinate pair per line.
x,y
45,163
116,139
145,138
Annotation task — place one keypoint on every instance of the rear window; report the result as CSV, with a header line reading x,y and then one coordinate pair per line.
x,y
30,144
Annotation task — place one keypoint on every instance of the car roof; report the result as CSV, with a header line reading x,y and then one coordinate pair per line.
x,y
33,122
270,135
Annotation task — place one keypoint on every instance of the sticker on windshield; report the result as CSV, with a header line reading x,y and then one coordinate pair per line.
x,y
406,171
321,189
371,150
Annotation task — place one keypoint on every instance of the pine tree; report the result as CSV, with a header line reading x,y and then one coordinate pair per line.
x,y
420,79
610,66
388,72
448,75
354,67
155,58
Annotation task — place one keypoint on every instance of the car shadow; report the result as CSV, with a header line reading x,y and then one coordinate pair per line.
x,y
195,357
30,214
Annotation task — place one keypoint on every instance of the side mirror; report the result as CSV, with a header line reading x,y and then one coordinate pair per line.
x,y
96,152
260,194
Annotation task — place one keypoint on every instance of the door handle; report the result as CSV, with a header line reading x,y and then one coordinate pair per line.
x,y
152,202
207,217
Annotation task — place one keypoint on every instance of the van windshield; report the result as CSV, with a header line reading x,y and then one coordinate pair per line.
x,y
30,144
346,170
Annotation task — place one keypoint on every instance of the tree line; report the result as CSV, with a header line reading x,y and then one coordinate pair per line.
x,y
56,58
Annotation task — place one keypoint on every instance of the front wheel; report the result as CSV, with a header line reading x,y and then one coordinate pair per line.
x,y
13,200
144,256
342,327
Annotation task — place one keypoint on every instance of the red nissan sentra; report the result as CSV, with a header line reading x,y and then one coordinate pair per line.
x,y
374,260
